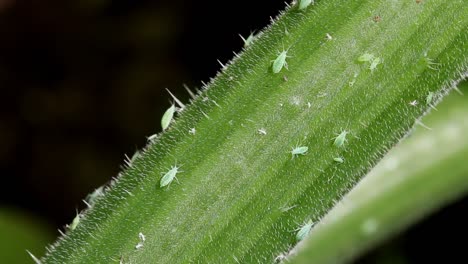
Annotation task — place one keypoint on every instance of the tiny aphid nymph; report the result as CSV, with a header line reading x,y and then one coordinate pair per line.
x,y
340,139
299,151
338,159
429,98
167,117
169,176
304,230
280,62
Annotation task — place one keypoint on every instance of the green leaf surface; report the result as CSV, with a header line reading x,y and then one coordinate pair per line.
x,y
242,195
425,172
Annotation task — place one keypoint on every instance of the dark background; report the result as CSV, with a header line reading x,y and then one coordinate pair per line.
x,y
82,84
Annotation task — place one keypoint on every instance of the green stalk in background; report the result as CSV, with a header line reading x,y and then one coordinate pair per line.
x,y
425,172
277,138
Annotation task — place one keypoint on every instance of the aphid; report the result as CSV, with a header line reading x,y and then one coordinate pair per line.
x,y
374,63
303,4
167,117
304,230
75,222
250,39
299,151
429,98
169,176
338,159
366,57
280,62
340,139
413,103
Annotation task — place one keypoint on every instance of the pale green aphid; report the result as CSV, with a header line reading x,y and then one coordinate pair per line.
x,y
167,117
280,62
75,222
169,176
303,4
299,151
304,230
366,57
374,63
338,159
340,139
429,98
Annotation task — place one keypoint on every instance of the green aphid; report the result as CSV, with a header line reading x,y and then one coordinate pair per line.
x,y
304,230
167,117
338,159
169,176
303,4
340,139
280,62
299,151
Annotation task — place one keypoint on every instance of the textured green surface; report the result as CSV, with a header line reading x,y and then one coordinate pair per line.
x,y
241,196
425,172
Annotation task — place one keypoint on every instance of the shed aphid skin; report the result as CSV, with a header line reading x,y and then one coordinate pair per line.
x,y
141,237
366,57
167,117
249,40
338,159
328,37
303,4
75,222
262,131
413,103
169,176
340,140
192,131
139,245
36,260
304,230
374,63
299,151
280,62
